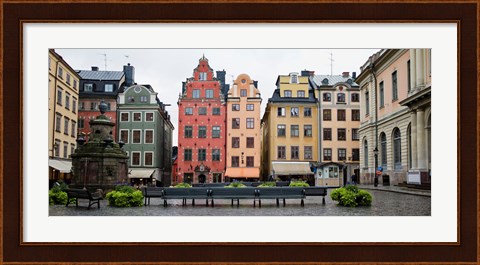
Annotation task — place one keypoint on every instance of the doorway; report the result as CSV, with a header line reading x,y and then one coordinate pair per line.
x,y
202,178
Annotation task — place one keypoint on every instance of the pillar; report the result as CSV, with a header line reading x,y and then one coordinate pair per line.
x,y
421,157
413,136
413,67
420,68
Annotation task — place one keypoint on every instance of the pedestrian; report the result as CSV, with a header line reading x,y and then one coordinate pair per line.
x,y
354,179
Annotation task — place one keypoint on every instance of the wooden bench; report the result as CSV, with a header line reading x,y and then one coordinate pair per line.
x,y
316,191
185,194
83,194
278,193
234,194
151,192
293,193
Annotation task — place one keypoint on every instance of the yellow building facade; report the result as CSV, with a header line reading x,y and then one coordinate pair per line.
x,y
243,130
290,129
63,83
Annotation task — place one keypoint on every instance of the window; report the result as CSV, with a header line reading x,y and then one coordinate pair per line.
x,y
74,131
131,99
327,115
394,86
235,161
216,111
250,123
341,135
367,104
188,111
188,132
143,99
135,158
136,137
81,123
243,92
235,142
137,116
187,155
382,95
294,79
108,87
72,149
342,154
294,131
383,150
355,115
294,152
355,97
281,153
287,93
196,93
365,153
149,136
340,98
124,136
341,115
307,152
67,101
281,130
81,105
409,77
300,93
235,107
202,76
202,111
74,84
65,150
307,130
281,112
294,112
202,131
307,112
327,134
57,147
250,107
327,97
216,132
124,116
93,105
355,135
202,154
397,149
215,154
60,72
74,105
250,161
236,123
59,97
88,87
356,154
58,123
209,93
250,142
148,159
327,154
149,116
67,124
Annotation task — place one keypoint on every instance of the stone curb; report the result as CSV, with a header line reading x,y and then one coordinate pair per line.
x,y
397,191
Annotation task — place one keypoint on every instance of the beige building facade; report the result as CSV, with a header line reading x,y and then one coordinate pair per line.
x,y
395,130
63,99
243,130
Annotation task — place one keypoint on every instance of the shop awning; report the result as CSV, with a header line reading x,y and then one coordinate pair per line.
x,y
292,168
62,166
244,172
140,173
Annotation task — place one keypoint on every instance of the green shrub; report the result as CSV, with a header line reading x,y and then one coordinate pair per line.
x,y
183,185
57,196
267,184
236,185
125,196
351,196
298,183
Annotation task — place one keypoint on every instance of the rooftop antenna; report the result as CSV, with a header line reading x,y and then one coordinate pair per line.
x,y
127,56
331,63
105,59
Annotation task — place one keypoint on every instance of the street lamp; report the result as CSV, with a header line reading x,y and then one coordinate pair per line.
x,y
375,153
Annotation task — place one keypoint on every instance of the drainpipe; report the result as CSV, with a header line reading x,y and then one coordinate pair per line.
x,y
319,129
372,67
54,108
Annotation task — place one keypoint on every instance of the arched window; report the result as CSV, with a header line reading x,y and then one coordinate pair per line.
x,y
365,153
383,150
397,149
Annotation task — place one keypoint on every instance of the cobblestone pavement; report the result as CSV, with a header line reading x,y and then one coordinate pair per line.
x,y
384,203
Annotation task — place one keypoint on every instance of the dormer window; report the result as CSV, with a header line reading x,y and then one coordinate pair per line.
x,y
294,78
108,87
87,87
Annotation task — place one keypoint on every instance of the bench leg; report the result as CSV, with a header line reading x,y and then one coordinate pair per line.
x,y
254,203
283,202
302,203
164,203
323,200
278,202
213,204
232,202
193,201
145,203
206,202
76,202
259,203
238,202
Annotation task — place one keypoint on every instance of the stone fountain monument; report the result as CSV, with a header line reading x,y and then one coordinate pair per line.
x,y
99,163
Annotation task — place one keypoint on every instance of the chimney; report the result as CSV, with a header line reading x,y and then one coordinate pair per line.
x,y
94,68
255,84
354,75
312,73
345,74
129,72
305,72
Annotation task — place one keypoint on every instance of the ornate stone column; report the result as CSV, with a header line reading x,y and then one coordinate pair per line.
x,y
413,138
413,71
422,161
420,68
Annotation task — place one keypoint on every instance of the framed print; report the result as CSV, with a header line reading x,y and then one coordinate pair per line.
x,y
445,233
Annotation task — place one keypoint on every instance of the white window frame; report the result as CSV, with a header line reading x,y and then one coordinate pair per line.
x,y
133,117
140,141
90,85
139,158
296,79
153,115
153,158
128,135
128,116
145,136
108,85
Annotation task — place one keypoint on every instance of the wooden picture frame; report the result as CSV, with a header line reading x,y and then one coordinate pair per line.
x,y
14,251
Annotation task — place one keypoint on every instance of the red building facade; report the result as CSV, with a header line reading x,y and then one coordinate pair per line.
x,y
201,128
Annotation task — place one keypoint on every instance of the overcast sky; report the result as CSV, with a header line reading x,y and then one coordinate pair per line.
x,y
165,69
